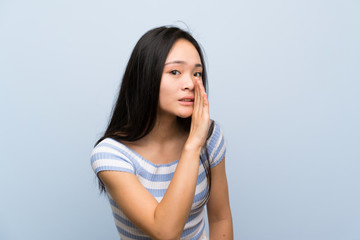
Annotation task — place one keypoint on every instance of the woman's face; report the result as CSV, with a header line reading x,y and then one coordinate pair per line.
x,y
182,67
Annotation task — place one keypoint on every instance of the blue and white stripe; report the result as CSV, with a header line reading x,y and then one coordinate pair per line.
x,y
113,155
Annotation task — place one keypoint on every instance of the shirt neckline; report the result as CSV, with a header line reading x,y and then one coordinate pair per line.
x,y
148,161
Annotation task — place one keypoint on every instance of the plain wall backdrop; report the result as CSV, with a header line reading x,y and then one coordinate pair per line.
x,y
284,85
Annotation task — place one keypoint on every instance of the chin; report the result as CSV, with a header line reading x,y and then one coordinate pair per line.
x,y
185,114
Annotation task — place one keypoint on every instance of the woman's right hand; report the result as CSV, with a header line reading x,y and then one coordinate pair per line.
x,y
200,117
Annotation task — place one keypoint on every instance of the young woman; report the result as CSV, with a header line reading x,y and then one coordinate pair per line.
x,y
162,159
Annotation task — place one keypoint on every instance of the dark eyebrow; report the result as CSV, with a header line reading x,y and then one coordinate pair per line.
x,y
182,62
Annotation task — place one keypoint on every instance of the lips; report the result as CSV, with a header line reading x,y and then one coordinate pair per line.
x,y
187,99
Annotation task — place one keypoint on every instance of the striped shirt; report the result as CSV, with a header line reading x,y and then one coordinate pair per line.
x,y
112,155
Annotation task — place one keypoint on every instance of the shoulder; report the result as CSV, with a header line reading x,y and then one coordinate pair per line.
x,y
216,131
216,135
110,154
215,145
108,145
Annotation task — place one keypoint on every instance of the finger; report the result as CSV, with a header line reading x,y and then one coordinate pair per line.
x,y
202,87
206,105
197,97
205,101
203,94
195,100
201,97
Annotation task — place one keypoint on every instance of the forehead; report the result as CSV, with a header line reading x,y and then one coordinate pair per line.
x,y
183,50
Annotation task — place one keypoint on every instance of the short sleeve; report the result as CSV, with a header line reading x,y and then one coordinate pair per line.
x,y
216,146
109,156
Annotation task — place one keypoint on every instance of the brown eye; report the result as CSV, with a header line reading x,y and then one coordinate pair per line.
x,y
174,72
198,74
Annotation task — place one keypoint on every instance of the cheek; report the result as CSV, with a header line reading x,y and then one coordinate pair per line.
x,y
167,89
165,96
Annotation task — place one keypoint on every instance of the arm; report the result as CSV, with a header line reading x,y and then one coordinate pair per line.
x,y
164,220
218,206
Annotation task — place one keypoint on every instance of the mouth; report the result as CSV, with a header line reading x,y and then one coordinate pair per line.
x,y
187,101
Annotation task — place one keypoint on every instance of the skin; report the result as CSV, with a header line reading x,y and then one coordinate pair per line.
x,y
166,143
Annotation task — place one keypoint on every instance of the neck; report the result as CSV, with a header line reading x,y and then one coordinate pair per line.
x,y
165,129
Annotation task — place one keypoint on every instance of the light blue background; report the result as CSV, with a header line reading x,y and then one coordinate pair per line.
x,y
284,85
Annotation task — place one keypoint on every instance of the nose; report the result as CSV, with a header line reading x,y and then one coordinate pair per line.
x,y
189,83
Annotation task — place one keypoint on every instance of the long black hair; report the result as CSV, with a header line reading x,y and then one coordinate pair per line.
x,y
134,113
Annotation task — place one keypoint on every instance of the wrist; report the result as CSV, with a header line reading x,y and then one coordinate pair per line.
x,y
192,147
